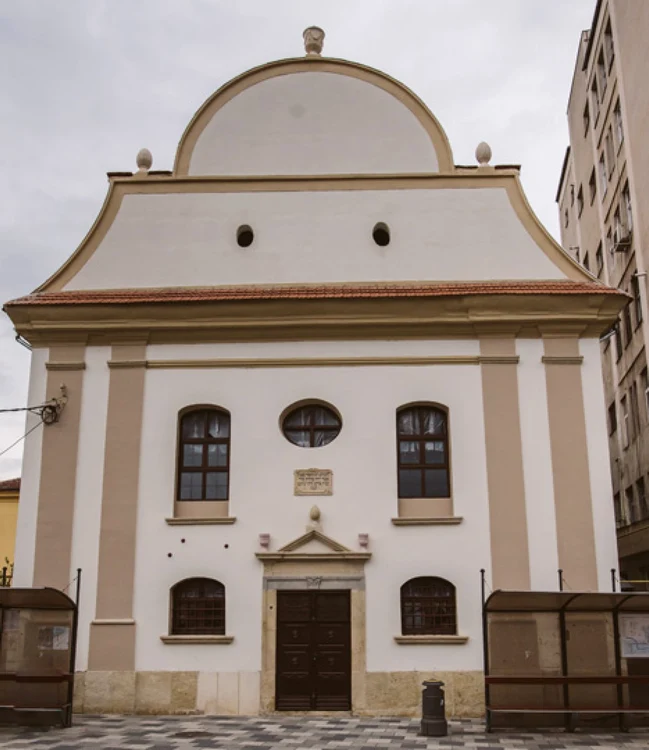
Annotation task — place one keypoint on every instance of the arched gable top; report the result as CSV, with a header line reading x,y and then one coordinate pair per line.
x,y
313,115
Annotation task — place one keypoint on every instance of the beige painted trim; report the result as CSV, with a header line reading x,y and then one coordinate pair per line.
x,y
121,186
117,537
214,640
426,507
510,565
420,521
54,523
312,64
189,509
65,366
570,470
562,360
313,556
225,520
118,621
116,364
431,640
256,363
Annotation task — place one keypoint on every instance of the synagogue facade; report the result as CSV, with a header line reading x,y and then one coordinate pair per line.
x,y
316,377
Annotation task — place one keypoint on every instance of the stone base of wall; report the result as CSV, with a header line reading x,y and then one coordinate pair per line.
x,y
238,693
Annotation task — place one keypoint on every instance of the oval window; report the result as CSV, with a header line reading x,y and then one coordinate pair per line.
x,y
245,236
381,234
311,426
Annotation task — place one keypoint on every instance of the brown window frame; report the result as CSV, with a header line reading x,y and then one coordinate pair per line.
x,y
200,613
204,469
311,426
428,607
422,438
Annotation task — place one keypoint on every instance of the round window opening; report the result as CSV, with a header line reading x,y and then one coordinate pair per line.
x,y
311,425
245,236
381,234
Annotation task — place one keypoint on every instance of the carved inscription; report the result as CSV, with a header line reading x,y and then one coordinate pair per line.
x,y
313,482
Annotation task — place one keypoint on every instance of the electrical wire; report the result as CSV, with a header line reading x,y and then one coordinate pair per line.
x,y
20,438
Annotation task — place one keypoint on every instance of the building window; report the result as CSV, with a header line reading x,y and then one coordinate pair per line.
x,y
580,201
601,72
635,414
311,426
586,262
619,515
608,45
628,328
198,607
644,385
565,218
428,607
619,129
625,421
637,300
204,455
630,513
603,176
422,452
610,153
643,511
599,259
626,199
618,341
592,186
595,99
586,119
612,419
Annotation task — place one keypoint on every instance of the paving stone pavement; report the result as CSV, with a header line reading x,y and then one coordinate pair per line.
x,y
294,733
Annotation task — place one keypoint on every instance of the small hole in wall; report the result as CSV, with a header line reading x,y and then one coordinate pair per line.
x,y
245,236
169,554
381,234
226,546
182,541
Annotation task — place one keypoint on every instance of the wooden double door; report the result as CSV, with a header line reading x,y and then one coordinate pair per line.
x,y
313,651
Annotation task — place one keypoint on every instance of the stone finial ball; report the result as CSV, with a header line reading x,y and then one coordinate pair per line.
x,y
144,159
314,513
483,153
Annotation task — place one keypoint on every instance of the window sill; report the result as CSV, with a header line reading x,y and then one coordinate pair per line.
x,y
424,521
200,521
431,640
221,640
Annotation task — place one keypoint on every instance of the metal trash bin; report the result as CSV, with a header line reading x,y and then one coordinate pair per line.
x,y
433,710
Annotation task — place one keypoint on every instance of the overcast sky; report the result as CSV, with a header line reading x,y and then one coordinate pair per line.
x,y
87,83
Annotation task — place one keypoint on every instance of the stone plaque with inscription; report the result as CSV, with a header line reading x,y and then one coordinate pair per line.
x,y
313,482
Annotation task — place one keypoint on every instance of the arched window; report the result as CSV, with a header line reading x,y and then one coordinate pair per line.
x,y
422,452
198,607
204,455
428,607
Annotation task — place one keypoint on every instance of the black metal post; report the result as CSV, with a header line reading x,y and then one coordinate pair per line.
x,y
618,665
560,573
485,650
73,652
564,669
4,576
613,584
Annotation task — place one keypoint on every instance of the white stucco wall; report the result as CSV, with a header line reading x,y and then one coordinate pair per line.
x,y
88,490
31,474
599,462
314,237
537,466
313,123
365,495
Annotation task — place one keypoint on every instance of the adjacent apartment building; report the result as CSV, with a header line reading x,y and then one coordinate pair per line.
x,y
604,214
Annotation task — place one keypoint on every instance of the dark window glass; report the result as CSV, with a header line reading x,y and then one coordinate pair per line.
x,y
204,455
422,456
428,607
198,607
311,426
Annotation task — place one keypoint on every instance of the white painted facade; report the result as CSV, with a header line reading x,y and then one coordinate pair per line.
x,y
179,231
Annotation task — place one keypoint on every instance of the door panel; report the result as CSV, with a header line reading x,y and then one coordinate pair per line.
x,y
313,651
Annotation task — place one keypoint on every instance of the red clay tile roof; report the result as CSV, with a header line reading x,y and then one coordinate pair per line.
x,y
10,485
310,291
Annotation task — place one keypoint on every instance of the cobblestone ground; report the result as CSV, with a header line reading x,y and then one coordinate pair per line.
x,y
294,733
